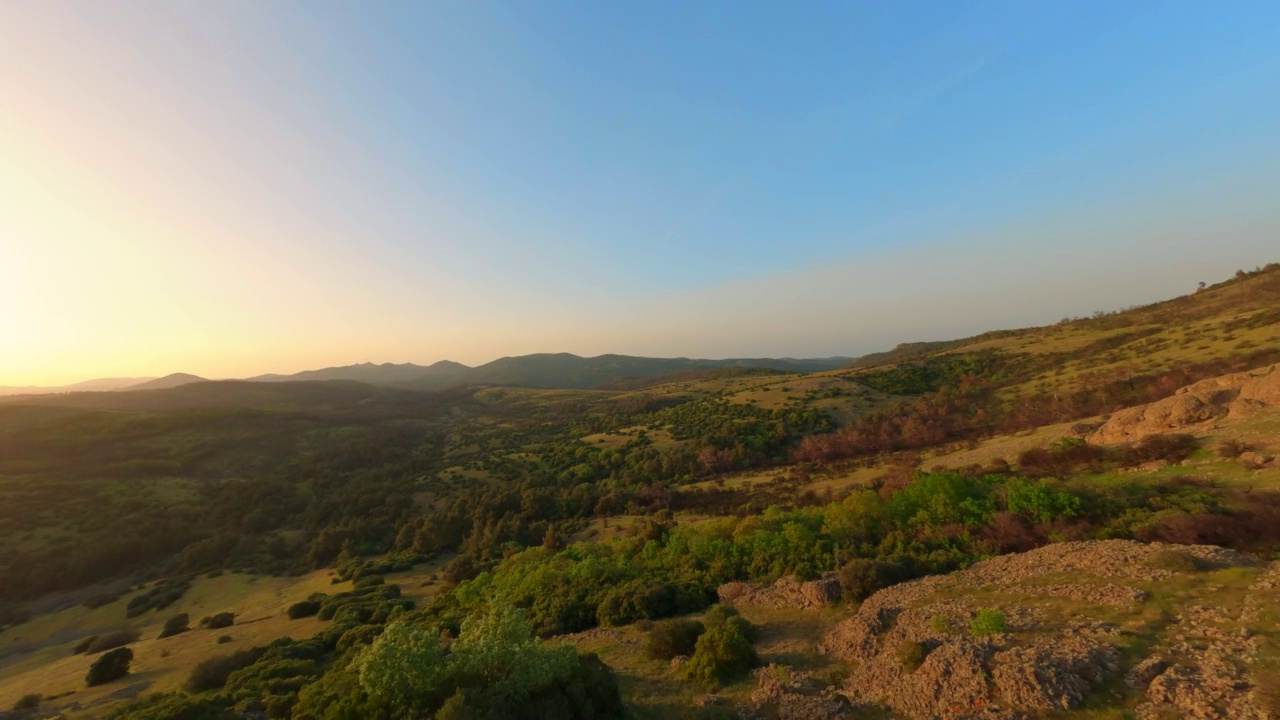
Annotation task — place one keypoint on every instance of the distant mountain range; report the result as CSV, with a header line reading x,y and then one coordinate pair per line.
x,y
99,385
543,370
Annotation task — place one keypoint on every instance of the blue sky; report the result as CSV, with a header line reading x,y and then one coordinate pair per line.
x,y
468,180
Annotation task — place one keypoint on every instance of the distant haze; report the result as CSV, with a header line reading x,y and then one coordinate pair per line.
x,y
234,189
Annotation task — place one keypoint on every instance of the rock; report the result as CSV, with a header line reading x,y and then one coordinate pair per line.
x,y
792,695
1054,673
1254,460
786,592
1081,429
1233,396
1042,663
1144,672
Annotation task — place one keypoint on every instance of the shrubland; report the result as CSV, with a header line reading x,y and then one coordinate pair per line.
x,y
502,488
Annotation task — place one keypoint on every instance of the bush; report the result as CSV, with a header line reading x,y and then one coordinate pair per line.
x,y
111,666
727,615
306,608
165,593
939,623
987,621
221,620
911,654
106,642
93,602
1173,447
721,655
1174,560
213,673
179,623
670,638
1232,449
861,577
83,645
30,701
723,652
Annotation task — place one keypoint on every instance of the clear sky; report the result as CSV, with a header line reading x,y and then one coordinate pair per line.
x,y
237,187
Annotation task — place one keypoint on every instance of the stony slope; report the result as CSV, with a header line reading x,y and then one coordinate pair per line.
x,y
1153,630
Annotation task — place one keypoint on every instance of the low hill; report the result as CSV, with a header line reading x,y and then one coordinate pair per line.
x,y
168,381
372,373
96,385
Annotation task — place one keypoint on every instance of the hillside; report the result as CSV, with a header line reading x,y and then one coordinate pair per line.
x,y
168,381
98,385
599,513
373,374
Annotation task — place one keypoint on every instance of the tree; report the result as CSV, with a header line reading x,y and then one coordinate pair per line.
x,y
112,665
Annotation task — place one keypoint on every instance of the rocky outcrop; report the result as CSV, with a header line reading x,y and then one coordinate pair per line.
x,y
786,694
786,592
1196,406
1210,681
1050,657
1055,673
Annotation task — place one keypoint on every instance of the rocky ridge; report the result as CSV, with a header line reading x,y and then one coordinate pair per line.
x,y
1196,406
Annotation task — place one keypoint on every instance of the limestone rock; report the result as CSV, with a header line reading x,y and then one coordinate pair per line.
x,y
1232,396
786,592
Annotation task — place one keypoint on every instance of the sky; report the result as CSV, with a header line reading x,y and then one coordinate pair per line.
x,y
243,187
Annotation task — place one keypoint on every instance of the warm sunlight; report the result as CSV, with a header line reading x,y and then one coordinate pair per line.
x,y
727,360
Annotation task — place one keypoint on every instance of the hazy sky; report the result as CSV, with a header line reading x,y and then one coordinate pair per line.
x,y
229,188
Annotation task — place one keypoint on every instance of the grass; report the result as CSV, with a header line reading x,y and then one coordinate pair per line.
x,y
656,691
46,666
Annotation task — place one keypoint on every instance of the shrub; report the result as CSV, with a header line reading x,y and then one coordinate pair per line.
x,y
722,654
303,609
83,645
1232,449
861,577
213,673
726,615
163,594
179,623
987,621
670,638
911,654
93,602
221,620
1174,560
116,639
175,706
30,701
1173,447
939,623
113,665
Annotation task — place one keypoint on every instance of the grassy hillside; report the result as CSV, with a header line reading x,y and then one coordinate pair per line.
x,y
594,506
